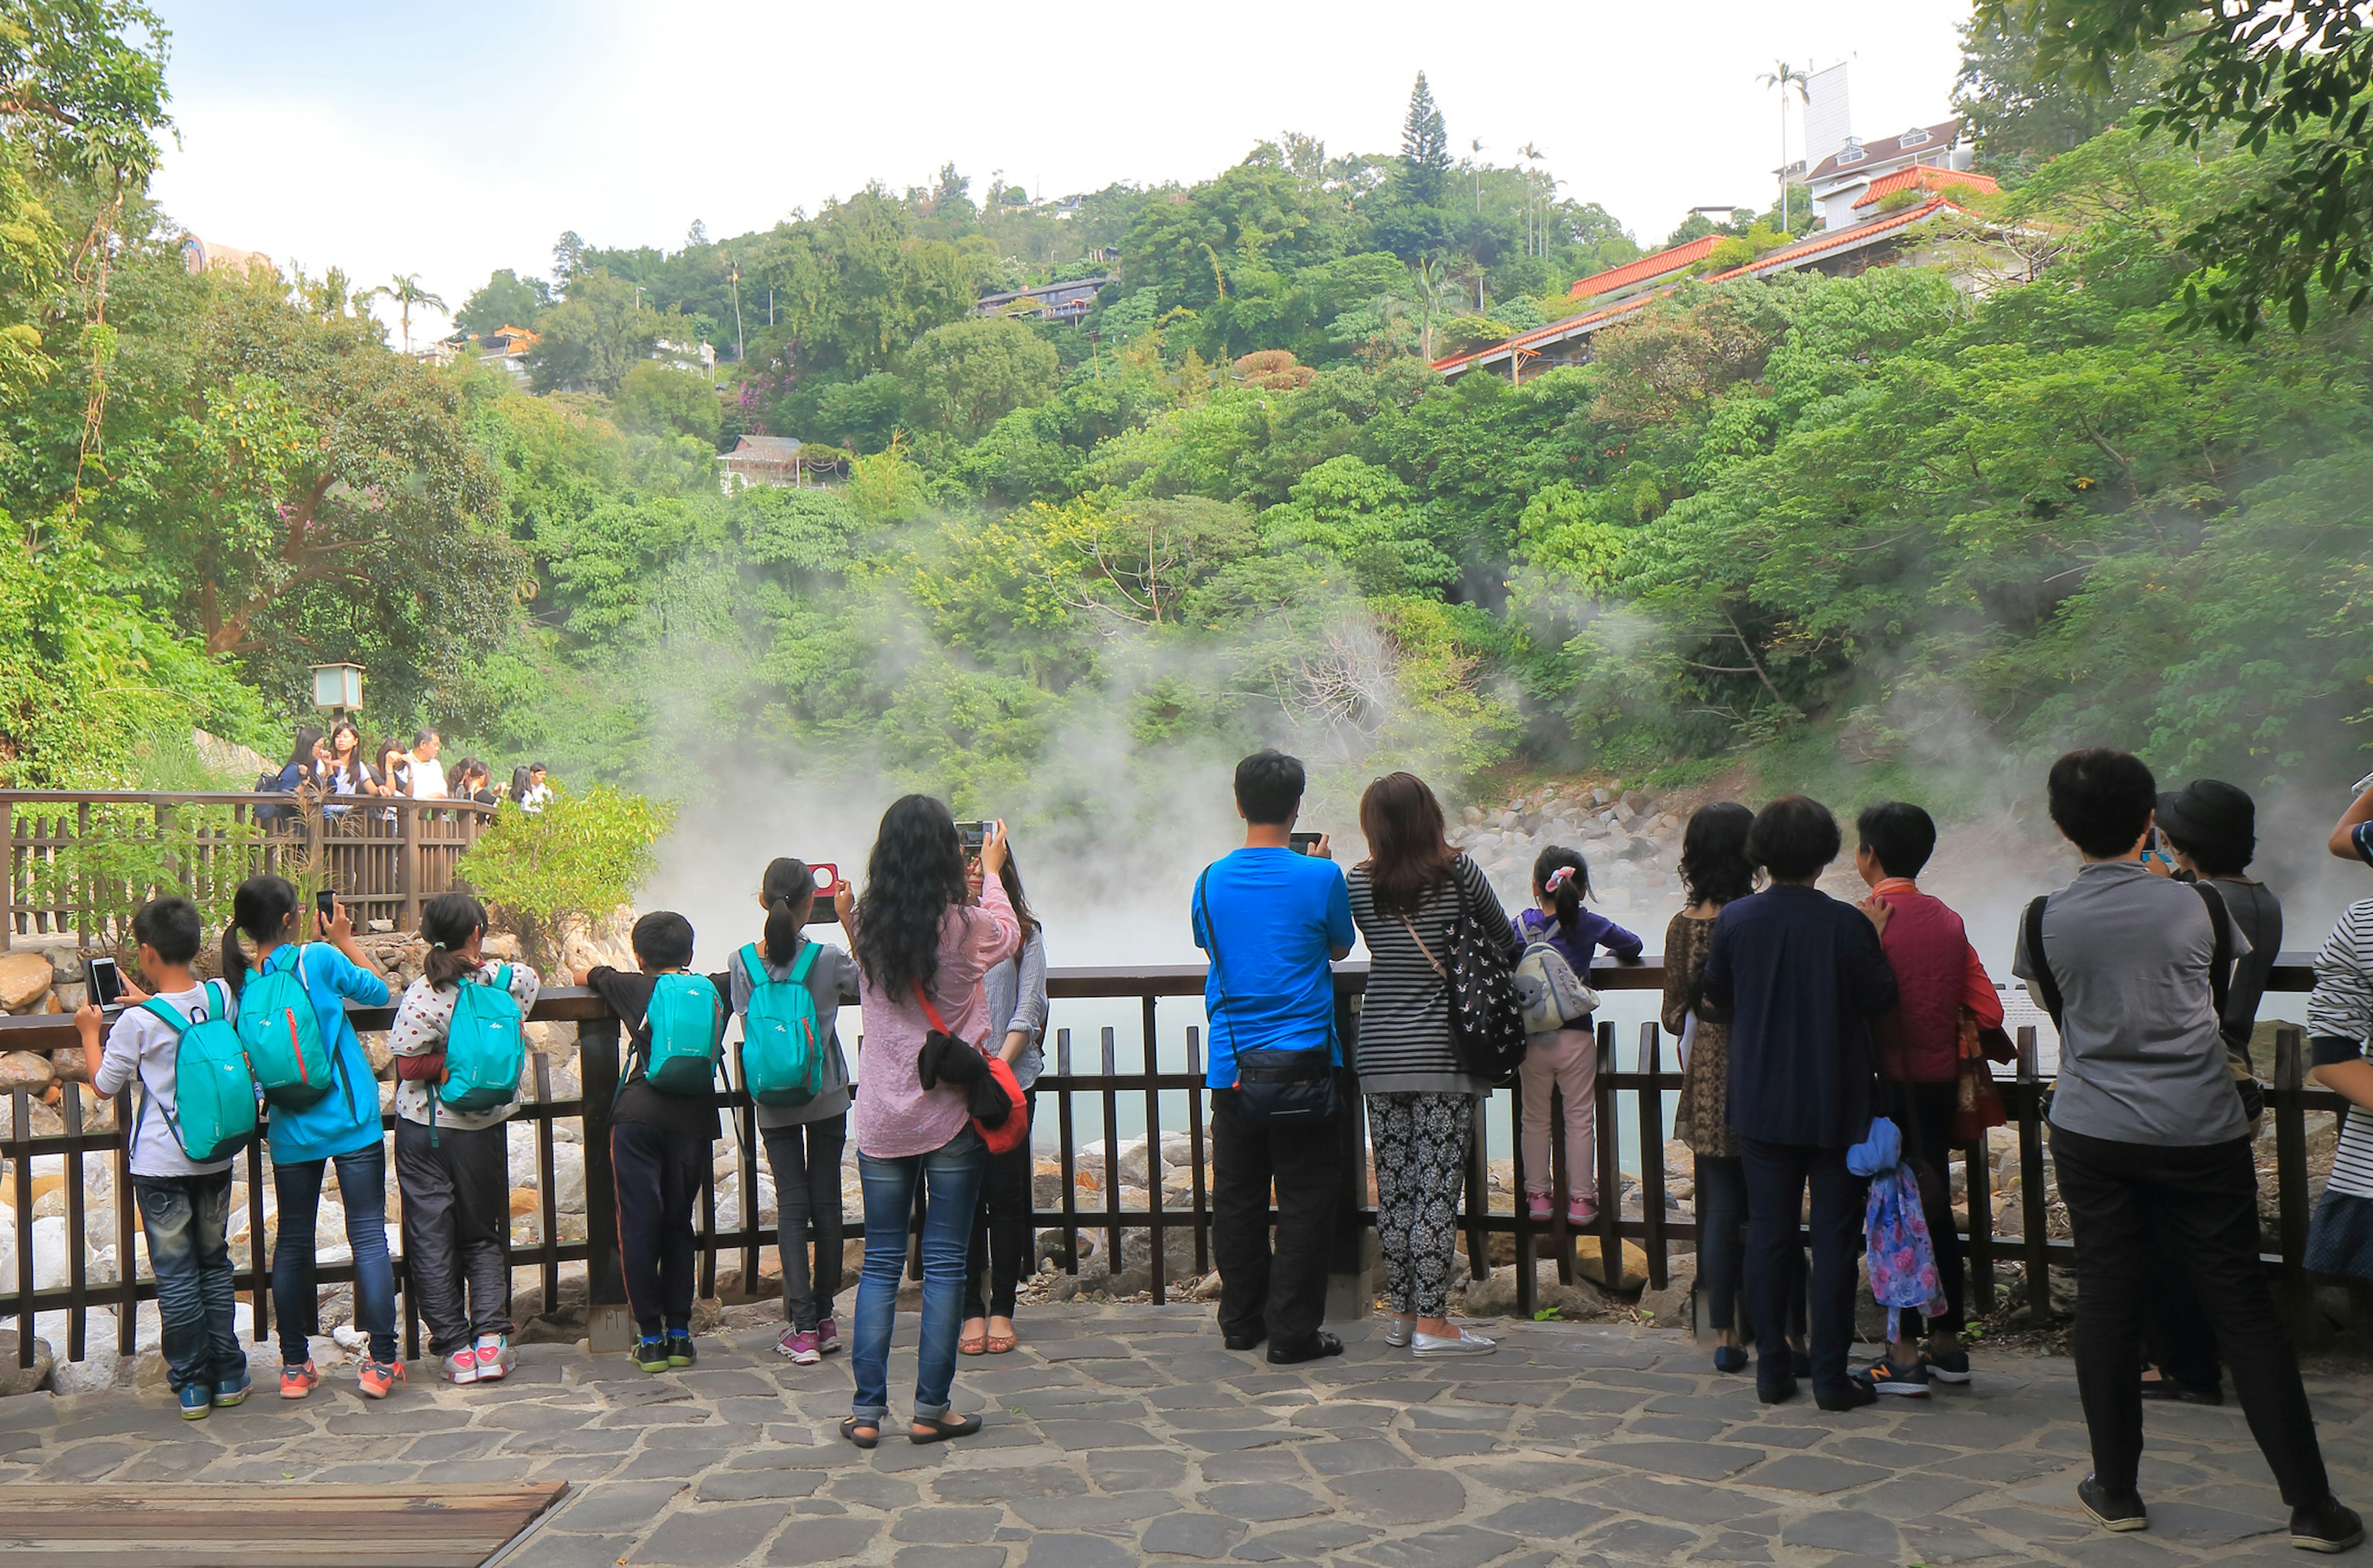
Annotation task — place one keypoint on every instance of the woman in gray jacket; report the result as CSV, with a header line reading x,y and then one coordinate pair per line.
x,y
804,1144
1002,1232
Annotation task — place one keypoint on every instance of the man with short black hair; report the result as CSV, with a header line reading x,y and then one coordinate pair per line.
x,y
2149,1138
427,774
1272,920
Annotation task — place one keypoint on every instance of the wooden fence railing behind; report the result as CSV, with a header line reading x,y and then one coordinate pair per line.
x,y
1072,1096
81,861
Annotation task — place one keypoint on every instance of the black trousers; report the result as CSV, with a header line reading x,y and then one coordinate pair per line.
x,y
457,1218
1001,1231
1930,1137
1722,1249
806,1159
1777,1175
2201,1200
1281,1295
659,1179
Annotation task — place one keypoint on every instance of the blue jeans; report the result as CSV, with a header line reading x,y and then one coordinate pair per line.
x,y
950,1176
362,1185
187,1219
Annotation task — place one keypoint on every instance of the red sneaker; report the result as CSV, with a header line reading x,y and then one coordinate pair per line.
x,y
380,1378
296,1382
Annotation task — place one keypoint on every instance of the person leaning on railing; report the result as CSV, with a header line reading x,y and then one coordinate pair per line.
x,y
1002,1239
1801,975
2150,1140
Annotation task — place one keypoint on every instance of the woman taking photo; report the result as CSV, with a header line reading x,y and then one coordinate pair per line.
x,y
922,952
1001,1232
345,770
1405,897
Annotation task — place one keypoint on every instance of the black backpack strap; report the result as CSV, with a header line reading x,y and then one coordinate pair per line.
x,y
2045,988
2220,957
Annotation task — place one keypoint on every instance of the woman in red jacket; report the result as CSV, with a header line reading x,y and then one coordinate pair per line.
x,y
1937,977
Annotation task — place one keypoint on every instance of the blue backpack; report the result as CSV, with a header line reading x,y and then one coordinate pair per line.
x,y
283,1034
486,1048
782,1052
686,1023
211,1082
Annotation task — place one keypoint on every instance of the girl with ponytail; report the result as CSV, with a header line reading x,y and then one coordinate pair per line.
x,y
1567,1060
804,1143
342,1128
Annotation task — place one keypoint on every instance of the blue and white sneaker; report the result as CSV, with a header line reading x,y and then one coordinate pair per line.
x,y
197,1400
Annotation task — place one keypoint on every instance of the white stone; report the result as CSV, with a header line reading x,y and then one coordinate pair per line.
x,y
569,1178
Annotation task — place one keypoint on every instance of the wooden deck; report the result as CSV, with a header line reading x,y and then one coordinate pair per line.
x,y
255,1525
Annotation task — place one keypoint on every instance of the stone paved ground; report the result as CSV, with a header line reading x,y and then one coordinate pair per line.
x,y
1124,1434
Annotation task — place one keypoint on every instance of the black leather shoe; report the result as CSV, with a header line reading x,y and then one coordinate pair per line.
x,y
1320,1346
2326,1527
2118,1510
1776,1393
1857,1392
1243,1342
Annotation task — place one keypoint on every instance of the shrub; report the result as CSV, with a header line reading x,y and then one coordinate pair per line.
x,y
556,870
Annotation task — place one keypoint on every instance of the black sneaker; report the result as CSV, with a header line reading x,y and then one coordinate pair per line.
x,y
1318,1346
1857,1392
1890,1376
1777,1393
2121,1510
1243,1342
2326,1527
1947,1365
680,1352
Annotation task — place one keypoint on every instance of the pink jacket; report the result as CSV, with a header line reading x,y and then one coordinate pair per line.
x,y
894,1115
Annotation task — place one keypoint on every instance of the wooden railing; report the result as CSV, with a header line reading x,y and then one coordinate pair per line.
x,y
81,861
1072,1096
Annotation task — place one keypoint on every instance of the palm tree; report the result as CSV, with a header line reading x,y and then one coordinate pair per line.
x,y
406,290
1536,235
1784,76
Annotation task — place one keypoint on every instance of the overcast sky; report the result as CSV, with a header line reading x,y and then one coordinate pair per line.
x,y
449,139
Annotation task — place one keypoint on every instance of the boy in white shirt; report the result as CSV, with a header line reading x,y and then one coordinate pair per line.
x,y
184,1205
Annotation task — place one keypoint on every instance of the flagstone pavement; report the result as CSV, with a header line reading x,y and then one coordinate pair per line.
x,y
1125,1434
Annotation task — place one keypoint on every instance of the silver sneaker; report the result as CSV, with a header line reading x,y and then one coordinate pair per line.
x,y
1460,1343
1398,1329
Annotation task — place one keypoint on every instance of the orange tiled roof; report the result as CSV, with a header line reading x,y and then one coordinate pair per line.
x,y
1803,249
1924,177
1651,266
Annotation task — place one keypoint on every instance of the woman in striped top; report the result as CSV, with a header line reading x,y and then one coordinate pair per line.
x,y
1405,897
2339,1017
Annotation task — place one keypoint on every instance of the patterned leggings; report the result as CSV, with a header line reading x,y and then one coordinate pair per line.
x,y
1420,1143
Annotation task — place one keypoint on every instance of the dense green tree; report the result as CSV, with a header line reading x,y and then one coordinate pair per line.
x,y
1425,149
594,336
968,375
506,300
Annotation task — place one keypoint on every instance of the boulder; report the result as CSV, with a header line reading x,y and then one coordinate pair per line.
x,y
16,1380
1496,1297
569,1178
25,979
26,1070
69,1067
375,1047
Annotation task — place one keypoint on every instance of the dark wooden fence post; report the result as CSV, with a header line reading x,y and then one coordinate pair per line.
x,y
1651,1153
2290,1181
607,1322
407,865
2031,1179
1346,1276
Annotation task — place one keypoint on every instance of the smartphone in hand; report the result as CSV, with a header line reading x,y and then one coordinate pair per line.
x,y
972,835
1304,844
103,984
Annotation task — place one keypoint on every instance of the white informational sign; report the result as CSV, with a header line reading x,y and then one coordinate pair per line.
x,y
2023,1011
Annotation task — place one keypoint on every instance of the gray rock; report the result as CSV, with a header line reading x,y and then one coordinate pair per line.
x,y
1203,1536
16,1380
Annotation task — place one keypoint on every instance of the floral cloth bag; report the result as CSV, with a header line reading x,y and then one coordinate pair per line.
x,y
1902,1259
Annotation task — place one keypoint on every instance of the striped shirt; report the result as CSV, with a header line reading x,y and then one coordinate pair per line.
x,y
1404,1043
2339,1017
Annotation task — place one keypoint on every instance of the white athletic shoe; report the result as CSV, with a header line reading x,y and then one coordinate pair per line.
x,y
1398,1329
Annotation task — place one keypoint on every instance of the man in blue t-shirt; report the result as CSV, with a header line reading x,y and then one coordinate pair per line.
x,y
1271,919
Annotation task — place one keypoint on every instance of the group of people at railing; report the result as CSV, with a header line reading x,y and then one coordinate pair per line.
x,y
1826,1045
336,766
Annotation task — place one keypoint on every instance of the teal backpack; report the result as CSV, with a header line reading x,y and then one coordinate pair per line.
x,y
685,1023
486,1048
283,1034
782,1050
211,1082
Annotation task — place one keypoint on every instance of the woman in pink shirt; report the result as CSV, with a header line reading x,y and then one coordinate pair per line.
x,y
921,948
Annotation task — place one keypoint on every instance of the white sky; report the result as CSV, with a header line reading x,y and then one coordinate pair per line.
x,y
446,139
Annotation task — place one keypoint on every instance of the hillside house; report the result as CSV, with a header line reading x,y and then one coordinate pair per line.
x,y
1840,180
1065,301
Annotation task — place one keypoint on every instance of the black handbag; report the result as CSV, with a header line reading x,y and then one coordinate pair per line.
x,y
1283,1090
1487,1014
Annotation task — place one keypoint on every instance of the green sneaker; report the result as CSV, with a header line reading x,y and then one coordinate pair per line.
x,y
680,1352
650,1354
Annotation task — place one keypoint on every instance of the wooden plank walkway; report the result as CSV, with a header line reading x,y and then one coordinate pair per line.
x,y
255,1525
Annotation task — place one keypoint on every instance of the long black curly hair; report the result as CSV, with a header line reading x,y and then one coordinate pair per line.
x,y
916,873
